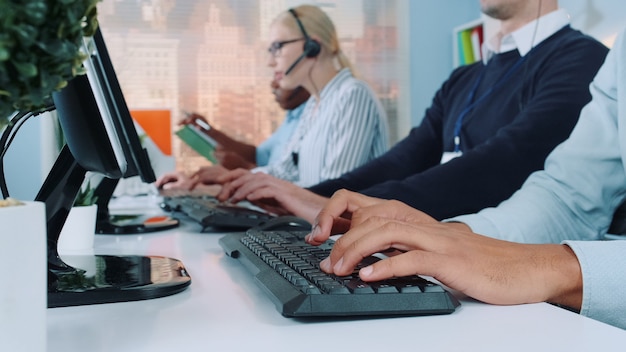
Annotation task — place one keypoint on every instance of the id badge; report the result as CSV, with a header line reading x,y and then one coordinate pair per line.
x,y
447,156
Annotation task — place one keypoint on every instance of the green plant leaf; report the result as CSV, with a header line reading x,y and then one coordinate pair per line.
x,y
39,49
86,196
26,69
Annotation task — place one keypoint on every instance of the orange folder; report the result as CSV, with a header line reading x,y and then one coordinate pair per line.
x,y
157,125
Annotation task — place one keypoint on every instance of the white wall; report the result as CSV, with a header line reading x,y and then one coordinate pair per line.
x,y
30,157
430,39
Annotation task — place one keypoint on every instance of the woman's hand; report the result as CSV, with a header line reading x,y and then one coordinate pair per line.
x,y
272,194
192,119
208,175
174,181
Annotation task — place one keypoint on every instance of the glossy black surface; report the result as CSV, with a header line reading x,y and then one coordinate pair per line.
x,y
95,279
118,224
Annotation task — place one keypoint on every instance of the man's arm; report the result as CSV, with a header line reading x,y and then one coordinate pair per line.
x,y
495,169
575,197
589,276
584,180
272,194
487,269
604,279
246,151
492,171
232,160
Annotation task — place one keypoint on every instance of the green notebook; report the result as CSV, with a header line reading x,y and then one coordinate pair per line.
x,y
198,141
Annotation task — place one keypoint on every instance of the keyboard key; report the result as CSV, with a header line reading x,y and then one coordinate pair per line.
x,y
359,287
382,287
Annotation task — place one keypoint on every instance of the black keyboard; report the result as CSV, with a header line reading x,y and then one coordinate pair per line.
x,y
209,212
287,269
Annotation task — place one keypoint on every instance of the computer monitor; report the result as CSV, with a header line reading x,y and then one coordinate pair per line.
x,y
100,71
97,141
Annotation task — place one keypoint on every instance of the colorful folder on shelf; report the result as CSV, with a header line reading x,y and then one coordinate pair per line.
x,y
469,41
477,40
198,141
467,53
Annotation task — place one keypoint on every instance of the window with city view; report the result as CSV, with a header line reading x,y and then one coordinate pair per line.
x,y
210,57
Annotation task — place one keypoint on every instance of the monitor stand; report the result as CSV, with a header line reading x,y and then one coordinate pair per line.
x,y
127,223
94,279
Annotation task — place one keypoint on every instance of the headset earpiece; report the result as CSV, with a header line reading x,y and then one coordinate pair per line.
x,y
311,47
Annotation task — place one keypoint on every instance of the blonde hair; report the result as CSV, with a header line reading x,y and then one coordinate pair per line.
x,y
317,24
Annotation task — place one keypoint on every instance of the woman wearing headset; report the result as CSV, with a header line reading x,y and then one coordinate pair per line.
x,y
343,124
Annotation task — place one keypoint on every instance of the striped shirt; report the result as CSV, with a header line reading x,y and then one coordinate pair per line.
x,y
346,129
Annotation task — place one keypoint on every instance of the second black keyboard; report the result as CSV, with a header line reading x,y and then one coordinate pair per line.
x,y
208,212
287,268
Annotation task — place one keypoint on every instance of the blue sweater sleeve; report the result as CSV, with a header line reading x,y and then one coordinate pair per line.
x,y
494,169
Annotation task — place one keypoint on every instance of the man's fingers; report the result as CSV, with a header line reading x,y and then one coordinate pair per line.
x,y
338,205
415,262
377,235
357,243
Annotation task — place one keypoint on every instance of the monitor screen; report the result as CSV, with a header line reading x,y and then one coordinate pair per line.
x,y
111,100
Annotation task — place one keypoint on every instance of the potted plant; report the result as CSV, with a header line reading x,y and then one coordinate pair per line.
x,y
40,50
80,226
40,44
86,196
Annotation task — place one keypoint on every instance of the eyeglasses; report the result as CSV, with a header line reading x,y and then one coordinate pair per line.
x,y
275,47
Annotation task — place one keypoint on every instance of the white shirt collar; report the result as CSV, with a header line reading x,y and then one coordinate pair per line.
x,y
522,39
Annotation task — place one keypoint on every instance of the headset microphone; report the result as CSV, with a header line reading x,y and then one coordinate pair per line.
x,y
311,48
295,63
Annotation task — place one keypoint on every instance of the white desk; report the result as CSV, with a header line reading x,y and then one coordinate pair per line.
x,y
224,310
